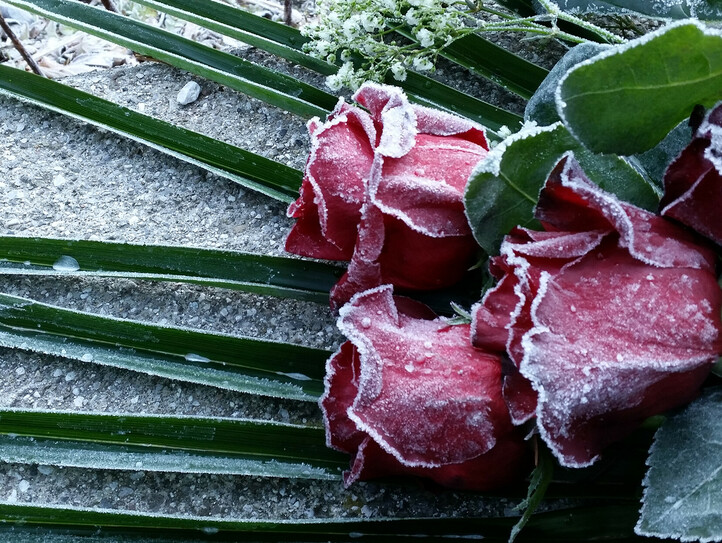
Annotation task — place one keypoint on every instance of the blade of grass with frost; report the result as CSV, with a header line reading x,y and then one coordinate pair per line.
x,y
47,451
236,363
276,89
243,439
277,276
261,274
287,43
603,522
267,35
245,168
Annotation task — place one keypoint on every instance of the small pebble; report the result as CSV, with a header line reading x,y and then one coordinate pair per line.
x,y
189,93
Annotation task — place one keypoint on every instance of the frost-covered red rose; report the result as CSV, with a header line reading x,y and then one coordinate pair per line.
x,y
693,182
384,189
610,316
409,395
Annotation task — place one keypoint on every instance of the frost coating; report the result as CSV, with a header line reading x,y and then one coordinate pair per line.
x,y
613,317
619,50
409,394
683,485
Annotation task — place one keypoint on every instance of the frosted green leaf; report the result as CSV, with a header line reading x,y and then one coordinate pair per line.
x,y
658,158
541,107
628,98
683,487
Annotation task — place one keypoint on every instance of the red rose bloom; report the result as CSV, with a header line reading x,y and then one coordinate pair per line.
x,y
612,315
409,395
384,189
693,182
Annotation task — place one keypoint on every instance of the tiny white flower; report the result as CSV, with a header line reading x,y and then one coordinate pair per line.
x,y
425,37
350,28
333,82
399,71
423,64
411,18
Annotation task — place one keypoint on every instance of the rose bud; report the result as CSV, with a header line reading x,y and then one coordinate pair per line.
x,y
610,316
407,395
384,189
693,182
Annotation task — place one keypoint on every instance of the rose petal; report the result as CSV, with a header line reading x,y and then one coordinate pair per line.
x,y
425,395
693,182
425,188
571,202
394,116
342,372
334,186
499,467
607,329
439,123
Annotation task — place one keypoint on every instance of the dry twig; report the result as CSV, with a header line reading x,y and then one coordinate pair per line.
x,y
20,47
288,12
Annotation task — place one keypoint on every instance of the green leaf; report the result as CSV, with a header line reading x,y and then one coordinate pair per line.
x,y
629,98
239,19
668,9
168,444
683,487
278,276
274,88
603,522
542,106
504,188
538,483
248,169
234,363
658,158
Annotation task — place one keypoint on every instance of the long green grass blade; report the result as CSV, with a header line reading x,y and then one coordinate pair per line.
x,y
239,19
260,274
243,439
602,522
273,88
80,454
248,365
275,38
286,42
248,169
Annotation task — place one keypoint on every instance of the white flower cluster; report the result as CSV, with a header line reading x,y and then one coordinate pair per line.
x,y
366,36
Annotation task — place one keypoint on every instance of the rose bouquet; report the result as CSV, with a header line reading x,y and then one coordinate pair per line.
x,y
590,319
605,316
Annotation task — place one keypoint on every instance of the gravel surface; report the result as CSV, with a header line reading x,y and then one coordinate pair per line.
x,y
61,178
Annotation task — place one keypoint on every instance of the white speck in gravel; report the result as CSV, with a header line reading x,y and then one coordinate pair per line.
x,y
189,93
